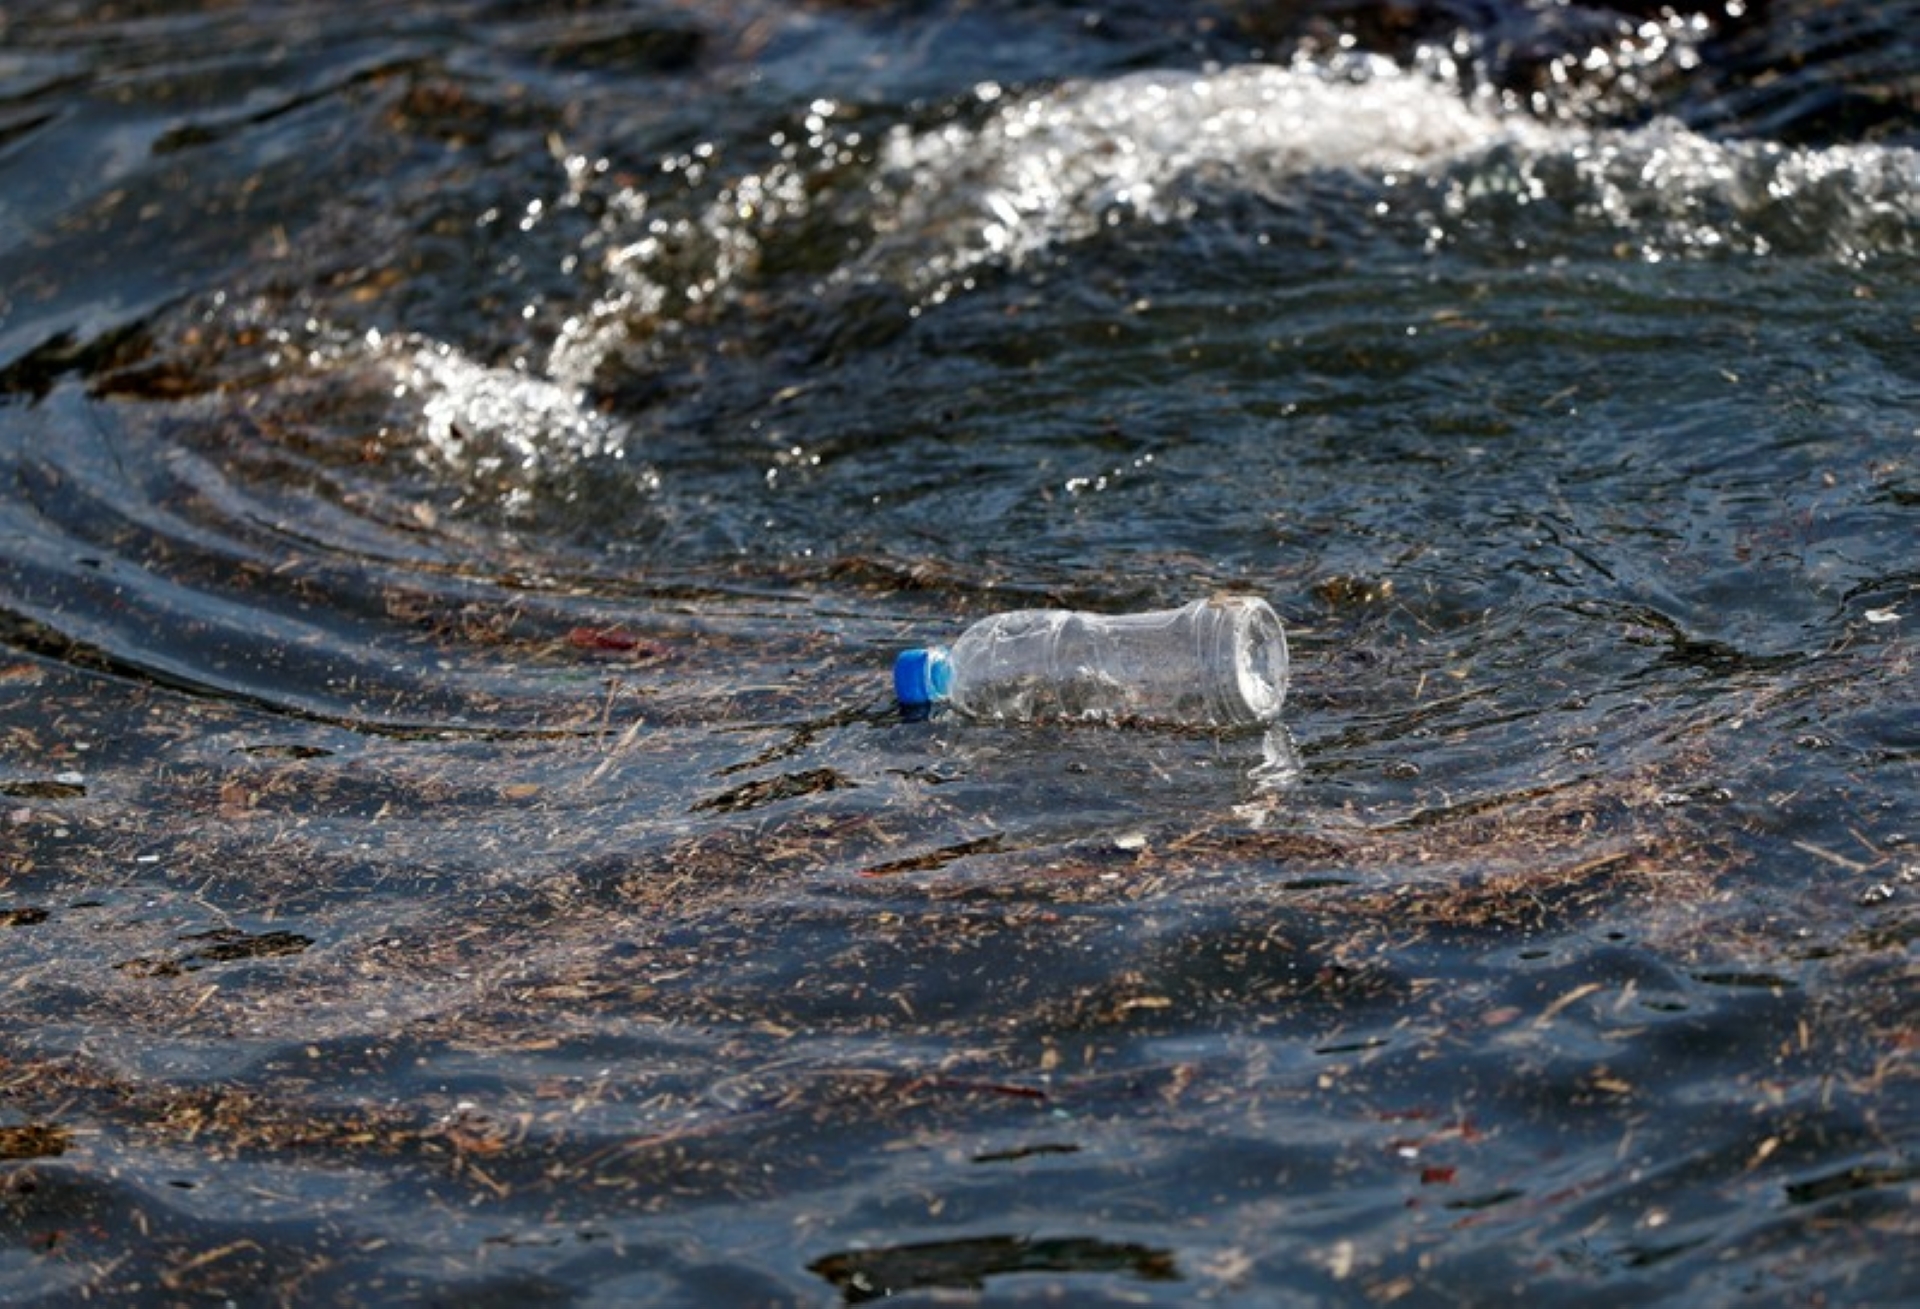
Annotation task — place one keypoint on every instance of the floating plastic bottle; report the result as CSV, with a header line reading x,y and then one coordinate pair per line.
x,y
1217,663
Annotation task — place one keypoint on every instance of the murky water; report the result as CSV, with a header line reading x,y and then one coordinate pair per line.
x,y
467,470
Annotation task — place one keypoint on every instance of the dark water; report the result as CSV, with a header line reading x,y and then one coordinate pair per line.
x,y
467,467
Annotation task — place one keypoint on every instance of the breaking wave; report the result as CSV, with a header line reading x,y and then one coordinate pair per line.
x,y
921,210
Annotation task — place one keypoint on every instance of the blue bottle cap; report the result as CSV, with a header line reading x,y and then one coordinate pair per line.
x,y
922,676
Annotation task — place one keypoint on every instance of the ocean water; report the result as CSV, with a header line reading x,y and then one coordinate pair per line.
x,y
468,467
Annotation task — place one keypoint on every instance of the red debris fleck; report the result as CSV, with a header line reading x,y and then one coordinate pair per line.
x,y
616,640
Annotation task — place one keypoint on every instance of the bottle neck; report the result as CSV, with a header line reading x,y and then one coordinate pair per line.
x,y
922,676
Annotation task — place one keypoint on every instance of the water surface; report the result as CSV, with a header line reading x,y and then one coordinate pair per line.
x,y
468,468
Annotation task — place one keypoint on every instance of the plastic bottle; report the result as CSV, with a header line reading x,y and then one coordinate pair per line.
x,y
1213,663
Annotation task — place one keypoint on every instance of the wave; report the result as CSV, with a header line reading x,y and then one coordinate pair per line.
x,y
920,211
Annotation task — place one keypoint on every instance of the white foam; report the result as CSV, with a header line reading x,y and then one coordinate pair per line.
x,y
1055,167
499,421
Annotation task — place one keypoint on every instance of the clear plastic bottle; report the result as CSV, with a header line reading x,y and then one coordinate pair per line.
x,y
1213,663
